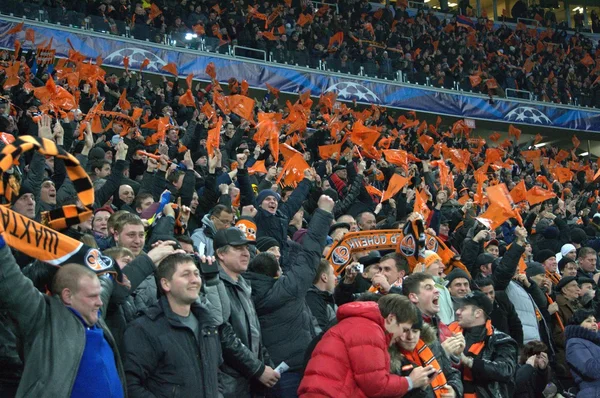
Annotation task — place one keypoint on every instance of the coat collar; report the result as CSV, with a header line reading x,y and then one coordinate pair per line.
x,y
578,332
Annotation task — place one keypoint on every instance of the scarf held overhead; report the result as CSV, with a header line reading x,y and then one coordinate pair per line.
x,y
44,241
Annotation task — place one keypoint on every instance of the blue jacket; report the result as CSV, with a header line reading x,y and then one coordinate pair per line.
x,y
583,358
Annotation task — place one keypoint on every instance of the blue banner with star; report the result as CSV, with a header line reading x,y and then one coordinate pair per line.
x,y
294,80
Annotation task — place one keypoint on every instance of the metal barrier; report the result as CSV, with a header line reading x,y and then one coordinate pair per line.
x,y
516,93
316,5
416,4
533,22
254,50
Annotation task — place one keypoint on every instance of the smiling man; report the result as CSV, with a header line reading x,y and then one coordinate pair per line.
x,y
163,346
129,233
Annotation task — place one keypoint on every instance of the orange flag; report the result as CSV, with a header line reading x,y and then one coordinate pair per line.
x,y
538,195
498,196
17,47
241,105
587,60
211,71
303,19
171,68
475,80
495,137
528,65
154,11
563,174
575,141
426,142
123,103
272,90
529,156
188,80
16,29
397,157
30,35
327,151
258,167
538,138
293,171
519,192
125,63
187,99
145,63
514,132
12,75
397,182
561,155
208,110
214,137
362,135
244,88
373,191
421,205
336,39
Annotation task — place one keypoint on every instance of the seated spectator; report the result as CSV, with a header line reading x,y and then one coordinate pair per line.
x,y
582,351
533,372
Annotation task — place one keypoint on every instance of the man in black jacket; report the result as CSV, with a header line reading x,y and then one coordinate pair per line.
x,y
173,350
286,321
504,316
231,249
489,360
320,295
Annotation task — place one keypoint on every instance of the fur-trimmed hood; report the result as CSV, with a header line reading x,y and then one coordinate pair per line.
x,y
428,335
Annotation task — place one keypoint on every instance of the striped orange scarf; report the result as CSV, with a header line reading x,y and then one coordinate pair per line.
x,y
474,351
553,276
423,356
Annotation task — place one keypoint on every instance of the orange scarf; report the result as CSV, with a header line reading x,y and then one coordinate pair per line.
x,y
474,351
423,356
553,276
556,314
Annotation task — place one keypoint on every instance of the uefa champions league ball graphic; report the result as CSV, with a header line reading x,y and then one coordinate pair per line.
x,y
136,57
350,90
527,114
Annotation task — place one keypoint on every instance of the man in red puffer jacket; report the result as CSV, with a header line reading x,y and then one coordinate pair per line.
x,y
352,359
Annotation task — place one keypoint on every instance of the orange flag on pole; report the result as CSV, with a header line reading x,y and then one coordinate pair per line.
x,y
171,68
538,195
154,11
258,167
397,182
519,192
529,156
514,132
16,29
327,151
208,110
214,137
123,103
187,99
242,106
426,142
421,205
211,71
563,174
575,141
293,171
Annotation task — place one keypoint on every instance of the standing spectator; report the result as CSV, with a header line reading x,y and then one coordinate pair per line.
x,y
172,349
89,365
583,351
533,372
339,367
489,360
519,10
285,319
231,249
220,217
320,295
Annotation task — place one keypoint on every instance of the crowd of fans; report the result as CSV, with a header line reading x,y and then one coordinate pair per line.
x,y
353,37
223,223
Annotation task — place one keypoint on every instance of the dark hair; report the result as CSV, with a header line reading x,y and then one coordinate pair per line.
x,y
99,164
141,197
412,283
264,263
400,260
321,269
483,281
174,176
368,296
586,251
218,209
399,306
168,266
534,347
184,239
41,274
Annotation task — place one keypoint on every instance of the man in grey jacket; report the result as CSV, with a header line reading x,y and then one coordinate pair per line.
x,y
220,217
68,350
233,257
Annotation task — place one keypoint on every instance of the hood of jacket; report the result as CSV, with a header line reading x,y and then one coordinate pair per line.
x,y
579,332
368,310
261,284
209,227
